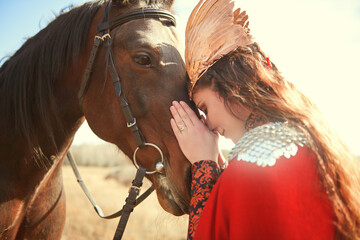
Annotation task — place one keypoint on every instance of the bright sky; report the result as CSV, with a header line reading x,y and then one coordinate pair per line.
x,y
315,43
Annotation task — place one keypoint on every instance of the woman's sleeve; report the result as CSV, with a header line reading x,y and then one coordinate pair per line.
x,y
204,176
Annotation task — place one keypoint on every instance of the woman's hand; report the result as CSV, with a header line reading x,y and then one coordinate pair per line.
x,y
196,141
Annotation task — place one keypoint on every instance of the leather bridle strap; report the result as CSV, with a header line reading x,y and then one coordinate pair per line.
x,y
130,119
90,197
85,82
99,38
130,202
136,14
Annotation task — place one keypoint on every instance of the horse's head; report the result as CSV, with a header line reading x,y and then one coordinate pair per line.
x,y
147,55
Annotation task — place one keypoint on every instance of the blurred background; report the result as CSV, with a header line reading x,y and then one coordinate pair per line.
x,y
315,43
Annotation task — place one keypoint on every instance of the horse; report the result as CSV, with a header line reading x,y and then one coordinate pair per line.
x,y
44,102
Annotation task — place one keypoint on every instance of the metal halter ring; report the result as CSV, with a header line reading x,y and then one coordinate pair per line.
x,y
159,165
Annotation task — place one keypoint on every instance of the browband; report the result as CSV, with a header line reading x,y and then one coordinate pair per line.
x,y
141,13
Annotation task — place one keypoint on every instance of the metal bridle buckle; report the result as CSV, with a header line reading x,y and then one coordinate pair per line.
x,y
129,125
102,38
159,165
136,188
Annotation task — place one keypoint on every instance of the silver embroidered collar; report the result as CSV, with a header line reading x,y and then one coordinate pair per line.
x,y
263,145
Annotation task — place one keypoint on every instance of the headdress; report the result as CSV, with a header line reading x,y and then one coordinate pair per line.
x,y
213,30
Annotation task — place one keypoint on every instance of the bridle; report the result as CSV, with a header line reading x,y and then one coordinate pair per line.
x,y
103,36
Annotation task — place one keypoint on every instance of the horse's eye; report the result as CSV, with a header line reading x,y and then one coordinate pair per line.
x,y
142,60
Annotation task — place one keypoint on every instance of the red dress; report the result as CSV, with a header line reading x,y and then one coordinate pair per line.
x,y
285,201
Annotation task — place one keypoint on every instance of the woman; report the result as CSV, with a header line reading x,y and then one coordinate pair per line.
x,y
289,176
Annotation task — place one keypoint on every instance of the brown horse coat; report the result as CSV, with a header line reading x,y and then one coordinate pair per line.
x,y
40,111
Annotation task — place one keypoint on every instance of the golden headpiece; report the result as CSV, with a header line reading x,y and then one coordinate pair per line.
x,y
213,30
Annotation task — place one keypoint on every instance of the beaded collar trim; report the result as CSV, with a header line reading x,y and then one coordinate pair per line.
x,y
265,144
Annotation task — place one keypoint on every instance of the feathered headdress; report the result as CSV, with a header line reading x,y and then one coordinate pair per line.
x,y
213,30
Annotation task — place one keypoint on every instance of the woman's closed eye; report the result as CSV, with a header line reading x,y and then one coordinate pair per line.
x,y
203,110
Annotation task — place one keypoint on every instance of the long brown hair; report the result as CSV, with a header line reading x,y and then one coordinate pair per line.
x,y
246,76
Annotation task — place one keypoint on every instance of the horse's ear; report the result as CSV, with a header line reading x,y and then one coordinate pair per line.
x,y
169,3
124,3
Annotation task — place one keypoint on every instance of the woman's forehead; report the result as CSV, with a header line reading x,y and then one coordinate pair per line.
x,y
205,94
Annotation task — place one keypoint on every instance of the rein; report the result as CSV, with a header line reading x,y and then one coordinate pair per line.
x,y
104,37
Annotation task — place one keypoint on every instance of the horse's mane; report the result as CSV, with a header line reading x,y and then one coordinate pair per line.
x,y
28,78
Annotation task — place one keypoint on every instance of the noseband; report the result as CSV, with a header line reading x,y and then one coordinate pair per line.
x,y
104,36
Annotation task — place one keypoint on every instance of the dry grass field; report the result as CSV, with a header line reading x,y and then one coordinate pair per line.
x,y
108,175
148,221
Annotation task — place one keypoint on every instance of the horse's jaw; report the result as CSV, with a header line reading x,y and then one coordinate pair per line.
x,y
168,196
